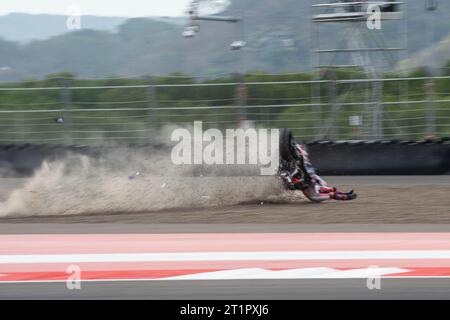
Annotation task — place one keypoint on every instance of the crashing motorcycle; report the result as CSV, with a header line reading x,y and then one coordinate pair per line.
x,y
297,173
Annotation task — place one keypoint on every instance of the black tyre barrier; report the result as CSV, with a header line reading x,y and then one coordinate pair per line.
x,y
381,157
387,157
23,160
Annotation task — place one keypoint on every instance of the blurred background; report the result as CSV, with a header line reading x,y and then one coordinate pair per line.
x,y
93,75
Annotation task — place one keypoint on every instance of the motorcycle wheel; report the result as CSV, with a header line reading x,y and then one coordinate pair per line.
x,y
286,145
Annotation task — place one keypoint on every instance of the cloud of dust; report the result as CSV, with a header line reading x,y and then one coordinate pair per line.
x,y
129,180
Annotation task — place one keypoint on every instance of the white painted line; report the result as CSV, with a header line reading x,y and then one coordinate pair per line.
x,y
303,273
245,273
225,256
362,273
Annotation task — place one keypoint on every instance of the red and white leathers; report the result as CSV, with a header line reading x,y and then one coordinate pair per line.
x,y
304,178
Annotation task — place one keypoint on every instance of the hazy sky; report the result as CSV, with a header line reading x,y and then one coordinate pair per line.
x,y
126,8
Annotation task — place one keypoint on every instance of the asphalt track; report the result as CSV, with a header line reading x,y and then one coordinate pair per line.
x,y
405,288
235,290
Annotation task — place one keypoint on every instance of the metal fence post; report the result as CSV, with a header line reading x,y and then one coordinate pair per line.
x,y
19,128
377,112
152,105
67,114
332,89
431,113
242,93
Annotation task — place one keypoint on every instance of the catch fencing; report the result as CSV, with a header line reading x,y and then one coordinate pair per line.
x,y
76,112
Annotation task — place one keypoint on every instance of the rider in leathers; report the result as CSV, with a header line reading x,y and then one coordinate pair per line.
x,y
304,178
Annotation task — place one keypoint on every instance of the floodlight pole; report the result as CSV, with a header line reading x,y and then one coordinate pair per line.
x,y
240,75
217,18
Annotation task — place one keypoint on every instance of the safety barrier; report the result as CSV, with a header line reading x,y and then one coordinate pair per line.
x,y
381,157
391,157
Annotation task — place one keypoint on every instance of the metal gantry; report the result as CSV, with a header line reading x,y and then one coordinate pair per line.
x,y
359,28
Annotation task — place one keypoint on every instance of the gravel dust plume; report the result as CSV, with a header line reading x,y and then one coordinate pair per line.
x,y
127,180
